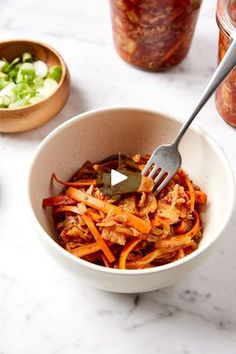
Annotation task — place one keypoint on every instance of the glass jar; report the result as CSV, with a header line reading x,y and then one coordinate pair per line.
x,y
154,34
226,93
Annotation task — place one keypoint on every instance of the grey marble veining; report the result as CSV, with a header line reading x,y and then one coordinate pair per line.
x,y
42,308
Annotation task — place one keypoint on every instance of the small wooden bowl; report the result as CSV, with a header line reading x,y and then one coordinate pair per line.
x,y
14,120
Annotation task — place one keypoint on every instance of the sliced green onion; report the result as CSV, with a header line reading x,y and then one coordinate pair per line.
x,y
55,73
3,75
22,90
6,101
35,99
38,82
26,73
27,69
3,64
21,103
26,82
9,66
14,72
27,57
3,82
40,68
49,86
19,77
8,90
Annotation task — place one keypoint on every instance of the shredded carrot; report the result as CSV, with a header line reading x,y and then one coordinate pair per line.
x,y
73,209
190,188
158,253
94,215
192,193
172,49
126,250
57,201
106,250
196,226
174,241
166,245
132,230
79,183
85,250
200,197
105,261
181,228
80,196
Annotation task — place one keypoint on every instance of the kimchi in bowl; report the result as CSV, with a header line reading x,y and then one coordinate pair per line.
x,y
100,133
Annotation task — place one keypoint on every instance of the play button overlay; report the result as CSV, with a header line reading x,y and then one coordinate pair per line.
x,y
117,177
118,182
118,174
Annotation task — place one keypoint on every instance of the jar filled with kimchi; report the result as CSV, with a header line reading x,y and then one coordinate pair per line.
x,y
154,34
226,93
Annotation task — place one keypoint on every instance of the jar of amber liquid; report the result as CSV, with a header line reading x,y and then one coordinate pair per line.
x,y
154,34
226,93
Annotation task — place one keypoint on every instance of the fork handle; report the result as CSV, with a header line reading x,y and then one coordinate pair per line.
x,y
225,66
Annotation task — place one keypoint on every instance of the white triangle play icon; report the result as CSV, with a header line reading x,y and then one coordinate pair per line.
x,y
117,177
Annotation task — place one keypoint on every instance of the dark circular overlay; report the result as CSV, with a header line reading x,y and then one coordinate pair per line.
x,y
127,167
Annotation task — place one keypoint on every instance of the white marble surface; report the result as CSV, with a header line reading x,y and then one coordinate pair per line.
x,y
42,308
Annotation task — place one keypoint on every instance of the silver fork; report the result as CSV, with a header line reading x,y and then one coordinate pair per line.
x,y
166,159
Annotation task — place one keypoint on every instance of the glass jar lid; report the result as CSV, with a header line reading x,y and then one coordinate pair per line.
x,y
232,11
226,16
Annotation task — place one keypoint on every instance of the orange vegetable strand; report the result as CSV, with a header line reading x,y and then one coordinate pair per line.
x,y
192,193
85,250
79,183
126,250
196,226
106,250
73,209
105,261
139,224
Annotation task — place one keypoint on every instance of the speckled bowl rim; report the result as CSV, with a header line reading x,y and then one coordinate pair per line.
x,y
128,272
63,76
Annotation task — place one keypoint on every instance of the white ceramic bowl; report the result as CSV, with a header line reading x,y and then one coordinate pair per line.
x,y
99,133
